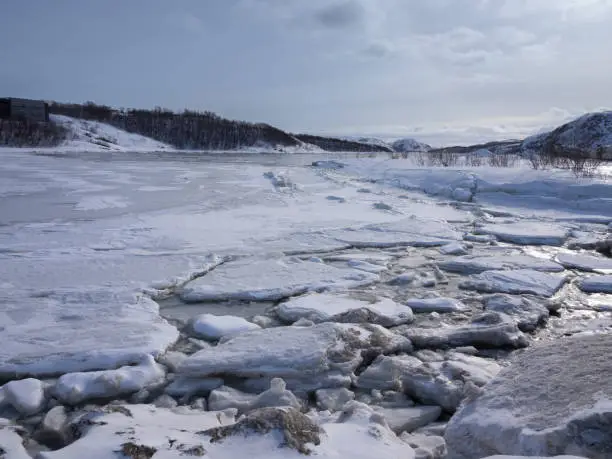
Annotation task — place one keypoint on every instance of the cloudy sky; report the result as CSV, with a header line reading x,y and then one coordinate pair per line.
x,y
437,70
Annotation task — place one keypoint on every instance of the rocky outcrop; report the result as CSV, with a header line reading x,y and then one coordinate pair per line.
x,y
554,399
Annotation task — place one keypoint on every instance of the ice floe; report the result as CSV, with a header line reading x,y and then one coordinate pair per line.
x,y
479,263
323,307
271,280
213,328
515,282
308,354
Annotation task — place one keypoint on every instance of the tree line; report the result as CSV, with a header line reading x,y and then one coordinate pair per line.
x,y
187,130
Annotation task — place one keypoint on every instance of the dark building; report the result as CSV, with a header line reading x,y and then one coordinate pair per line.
x,y
32,110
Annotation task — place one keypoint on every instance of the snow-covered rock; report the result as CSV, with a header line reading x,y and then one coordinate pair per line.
x,y
420,305
555,398
477,264
271,280
75,388
596,284
213,328
409,145
54,430
303,356
412,231
527,233
527,314
515,282
585,262
488,330
322,307
26,396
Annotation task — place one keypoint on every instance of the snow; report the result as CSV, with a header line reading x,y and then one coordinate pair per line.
x,y
420,305
475,264
180,432
75,388
271,280
97,136
596,284
339,308
212,327
515,282
27,396
11,443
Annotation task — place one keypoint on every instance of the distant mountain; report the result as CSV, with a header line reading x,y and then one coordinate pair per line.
x,y
340,144
409,145
591,133
495,147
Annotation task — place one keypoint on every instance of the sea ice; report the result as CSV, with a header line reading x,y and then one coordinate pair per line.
x,y
515,282
420,305
323,307
213,328
271,280
75,388
527,233
596,284
479,263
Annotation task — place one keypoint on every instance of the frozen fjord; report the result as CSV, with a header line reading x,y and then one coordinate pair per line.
x,y
89,248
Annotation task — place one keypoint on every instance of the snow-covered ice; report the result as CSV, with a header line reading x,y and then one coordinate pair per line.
x,y
74,388
516,282
52,333
293,352
414,231
475,264
584,262
212,327
596,284
27,396
527,233
436,305
271,280
323,307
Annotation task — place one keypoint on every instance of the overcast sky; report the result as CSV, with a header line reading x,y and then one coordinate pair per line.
x,y
437,70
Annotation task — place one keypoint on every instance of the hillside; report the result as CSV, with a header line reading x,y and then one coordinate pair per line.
x,y
200,131
591,133
409,145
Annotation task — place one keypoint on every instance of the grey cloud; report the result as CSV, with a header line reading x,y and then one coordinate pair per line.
x,y
341,15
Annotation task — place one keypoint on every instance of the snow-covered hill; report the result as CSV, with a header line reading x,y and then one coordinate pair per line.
x,y
408,145
86,135
591,132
